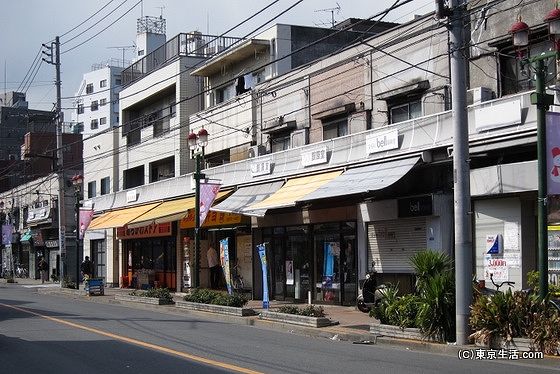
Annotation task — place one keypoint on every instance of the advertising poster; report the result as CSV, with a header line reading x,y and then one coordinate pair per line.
x,y
262,255
224,248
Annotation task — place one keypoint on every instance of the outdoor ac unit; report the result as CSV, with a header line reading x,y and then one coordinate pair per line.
x,y
256,150
478,95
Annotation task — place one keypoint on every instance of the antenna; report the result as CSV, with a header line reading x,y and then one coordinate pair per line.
x,y
124,48
332,10
161,8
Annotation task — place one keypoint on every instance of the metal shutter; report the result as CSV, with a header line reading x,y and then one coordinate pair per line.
x,y
392,243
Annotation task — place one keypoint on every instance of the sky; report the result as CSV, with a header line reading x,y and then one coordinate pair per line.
x,y
96,31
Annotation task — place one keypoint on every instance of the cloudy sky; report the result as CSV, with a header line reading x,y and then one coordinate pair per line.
x,y
97,30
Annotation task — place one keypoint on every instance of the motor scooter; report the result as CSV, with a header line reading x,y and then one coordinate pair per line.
x,y
370,292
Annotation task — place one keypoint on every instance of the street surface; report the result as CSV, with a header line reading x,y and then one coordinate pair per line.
x,y
41,333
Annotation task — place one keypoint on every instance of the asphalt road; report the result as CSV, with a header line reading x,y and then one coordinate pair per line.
x,y
42,333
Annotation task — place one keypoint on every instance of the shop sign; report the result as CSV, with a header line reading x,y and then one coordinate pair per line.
x,y
212,219
51,243
382,141
261,166
149,231
314,156
415,206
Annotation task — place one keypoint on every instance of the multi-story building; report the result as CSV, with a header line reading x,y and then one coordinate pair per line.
x,y
342,160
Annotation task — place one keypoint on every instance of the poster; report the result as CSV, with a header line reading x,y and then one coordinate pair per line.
x,y
289,272
262,255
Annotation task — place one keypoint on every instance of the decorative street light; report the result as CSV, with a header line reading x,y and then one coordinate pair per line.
x,y
77,181
520,37
196,143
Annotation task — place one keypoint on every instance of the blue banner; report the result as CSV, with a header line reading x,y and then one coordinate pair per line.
x,y
262,255
224,254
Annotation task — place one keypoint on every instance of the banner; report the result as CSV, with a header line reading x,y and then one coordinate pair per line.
x,y
208,193
224,256
553,152
85,219
262,255
6,234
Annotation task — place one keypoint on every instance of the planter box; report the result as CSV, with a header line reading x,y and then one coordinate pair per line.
x,y
378,329
295,319
144,300
222,309
499,342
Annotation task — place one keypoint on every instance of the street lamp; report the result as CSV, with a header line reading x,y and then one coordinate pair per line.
x,y
196,143
77,181
520,37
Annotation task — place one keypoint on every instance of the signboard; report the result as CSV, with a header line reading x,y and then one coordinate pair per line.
x,y
149,231
314,156
494,244
382,141
261,166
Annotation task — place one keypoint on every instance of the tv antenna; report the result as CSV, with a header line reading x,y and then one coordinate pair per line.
x,y
124,48
332,10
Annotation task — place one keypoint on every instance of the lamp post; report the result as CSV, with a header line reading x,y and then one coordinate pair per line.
x,y
196,143
77,181
520,36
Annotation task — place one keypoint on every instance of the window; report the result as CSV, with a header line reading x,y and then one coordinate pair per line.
x,y
103,83
133,177
80,127
335,127
92,189
94,125
94,105
80,108
102,102
89,88
118,81
105,186
406,111
225,93
102,121
162,169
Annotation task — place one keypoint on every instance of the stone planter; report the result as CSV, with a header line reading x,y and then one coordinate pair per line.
x,y
378,329
295,319
144,300
222,309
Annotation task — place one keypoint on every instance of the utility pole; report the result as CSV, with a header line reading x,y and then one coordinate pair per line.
x,y
461,174
59,155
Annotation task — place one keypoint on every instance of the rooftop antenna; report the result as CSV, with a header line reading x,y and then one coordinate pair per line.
x,y
161,8
332,10
124,48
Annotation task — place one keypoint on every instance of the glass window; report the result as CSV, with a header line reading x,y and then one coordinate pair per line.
x,y
103,121
406,111
105,186
80,108
335,127
94,105
102,102
103,83
94,125
92,189
89,88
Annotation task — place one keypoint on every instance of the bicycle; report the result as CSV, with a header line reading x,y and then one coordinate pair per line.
x,y
509,283
237,283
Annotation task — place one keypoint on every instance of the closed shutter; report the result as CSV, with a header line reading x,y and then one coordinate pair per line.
x,y
391,244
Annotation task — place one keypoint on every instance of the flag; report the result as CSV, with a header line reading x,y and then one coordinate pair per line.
x,y
262,254
6,234
224,254
85,219
208,193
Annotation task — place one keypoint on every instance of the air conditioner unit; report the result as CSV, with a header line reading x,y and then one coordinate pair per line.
x,y
256,150
478,95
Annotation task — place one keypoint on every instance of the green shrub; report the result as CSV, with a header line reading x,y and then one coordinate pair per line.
x,y
309,310
158,293
206,296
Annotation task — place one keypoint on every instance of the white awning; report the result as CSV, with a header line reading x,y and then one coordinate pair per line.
x,y
247,196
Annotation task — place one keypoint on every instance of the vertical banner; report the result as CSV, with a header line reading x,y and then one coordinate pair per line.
x,y
262,254
553,152
224,253
328,266
208,193
85,219
6,234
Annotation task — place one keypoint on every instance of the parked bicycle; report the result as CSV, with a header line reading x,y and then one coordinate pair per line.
x,y
498,285
237,283
21,272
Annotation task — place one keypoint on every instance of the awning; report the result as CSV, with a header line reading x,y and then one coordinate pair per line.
x,y
26,237
247,196
119,218
363,179
168,211
293,190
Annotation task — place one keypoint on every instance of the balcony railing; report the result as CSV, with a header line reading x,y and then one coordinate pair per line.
x,y
192,44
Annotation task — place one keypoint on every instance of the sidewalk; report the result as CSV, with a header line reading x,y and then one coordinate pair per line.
x,y
349,324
